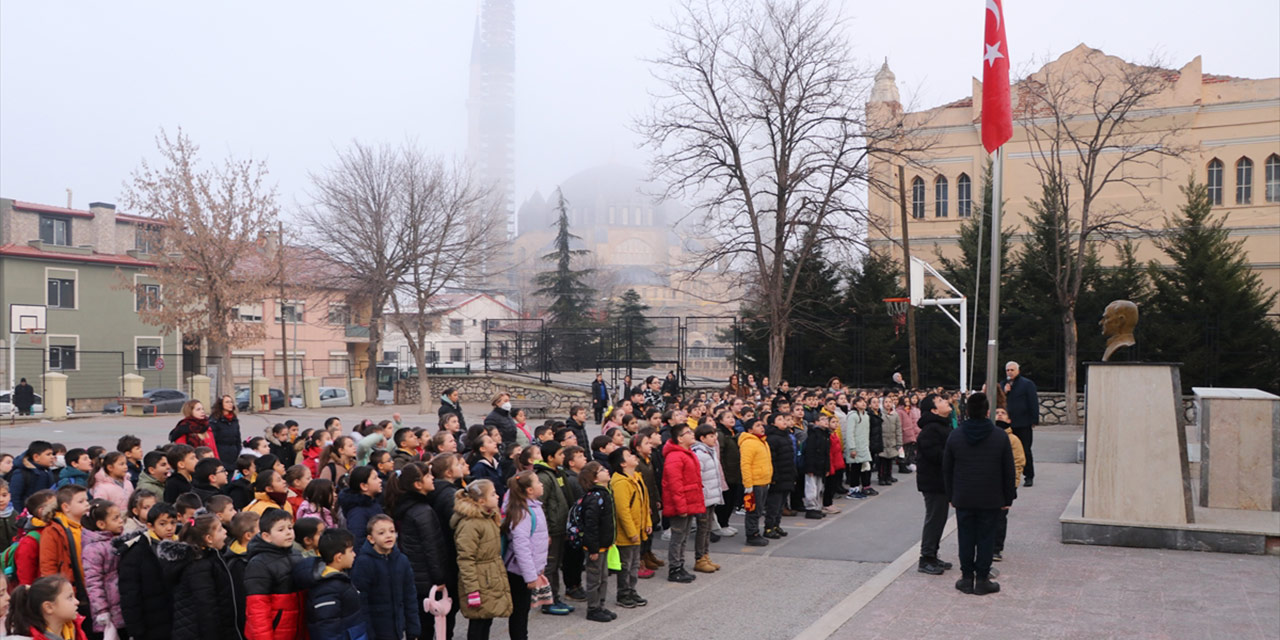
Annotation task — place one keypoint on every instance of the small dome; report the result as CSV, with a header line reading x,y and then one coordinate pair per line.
x,y
886,86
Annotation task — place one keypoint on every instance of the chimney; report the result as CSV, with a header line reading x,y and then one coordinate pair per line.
x,y
104,227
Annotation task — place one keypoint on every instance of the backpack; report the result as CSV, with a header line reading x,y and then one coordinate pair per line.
x,y
574,530
9,559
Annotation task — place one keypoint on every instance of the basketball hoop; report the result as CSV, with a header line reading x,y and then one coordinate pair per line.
x,y
897,308
32,335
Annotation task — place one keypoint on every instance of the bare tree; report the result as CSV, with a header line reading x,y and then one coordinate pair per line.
x,y
1092,129
762,124
207,226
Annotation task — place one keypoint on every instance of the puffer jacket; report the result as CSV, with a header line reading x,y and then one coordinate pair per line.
x,y
204,594
27,478
730,457
101,577
855,437
907,418
530,539
598,531
262,502
875,434
447,407
152,484
57,543
422,540
817,453
757,463
782,453
106,488
835,456
442,500
387,593
273,605
709,467
480,570
502,421
195,433
71,476
681,482
652,485
631,508
331,519
283,451
357,508
934,431
891,435
226,435
491,471
146,602
333,609
555,504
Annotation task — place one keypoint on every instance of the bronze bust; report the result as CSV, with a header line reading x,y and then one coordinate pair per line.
x,y
1118,321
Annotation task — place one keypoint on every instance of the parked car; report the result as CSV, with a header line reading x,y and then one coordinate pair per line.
x,y
242,398
329,397
162,401
7,408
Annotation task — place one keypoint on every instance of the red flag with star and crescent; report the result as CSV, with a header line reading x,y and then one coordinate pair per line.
x,y
997,112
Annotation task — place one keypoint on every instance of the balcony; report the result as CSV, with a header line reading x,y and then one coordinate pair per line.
x,y
357,333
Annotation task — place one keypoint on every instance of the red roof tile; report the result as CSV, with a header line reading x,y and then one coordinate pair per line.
x,y
27,251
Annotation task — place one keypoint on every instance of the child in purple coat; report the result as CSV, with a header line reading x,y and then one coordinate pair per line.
x,y
526,557
104,522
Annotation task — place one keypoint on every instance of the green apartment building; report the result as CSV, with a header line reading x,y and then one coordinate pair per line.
x,y
85,267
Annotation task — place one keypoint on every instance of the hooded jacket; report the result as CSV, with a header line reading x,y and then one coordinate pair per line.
x,y
447,408
153,484
555,505
891,434
333,608
934,431
598,530
757,462
817,452
387,593
28,478
262,502
480,569
175,485
226,437
273,606
422,540
631,508
681,482
529,542
730,456
71,476
782,453
204,594
283,451
357,508
61,549
146,602
106,488
102,577
855,437
709,467
977,466
329,517
442,499
908,418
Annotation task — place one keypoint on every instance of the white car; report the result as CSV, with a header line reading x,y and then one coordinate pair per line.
x,y
8,409
329,397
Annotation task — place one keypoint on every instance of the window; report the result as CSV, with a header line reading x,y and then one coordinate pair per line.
x,y
146,239
455,355
147,357
1215,181
289,311
432,357
62,293
390,356
249,312
148,297
1273,178
339,314
62,358
55,230
964,196
917,197
455,327
940,197
1244,181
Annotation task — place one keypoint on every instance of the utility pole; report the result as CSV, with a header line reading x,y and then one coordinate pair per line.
x,y
284,335
906,269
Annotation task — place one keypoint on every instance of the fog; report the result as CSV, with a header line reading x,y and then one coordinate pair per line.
x,y
84,87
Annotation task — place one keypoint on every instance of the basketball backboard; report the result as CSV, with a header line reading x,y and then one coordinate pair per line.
x,y
27,318
917,282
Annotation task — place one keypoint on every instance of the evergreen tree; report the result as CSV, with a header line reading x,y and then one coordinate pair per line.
x,y
816,326
1209,309
633,327
873,348
564,286
1126,281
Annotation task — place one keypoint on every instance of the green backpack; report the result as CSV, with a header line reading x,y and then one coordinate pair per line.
x,y
9,559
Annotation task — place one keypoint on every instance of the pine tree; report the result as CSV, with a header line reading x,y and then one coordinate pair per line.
x,y
566,287
873,348
634,327
1209,309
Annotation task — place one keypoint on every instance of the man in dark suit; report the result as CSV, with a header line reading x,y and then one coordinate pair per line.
x,y
1023,404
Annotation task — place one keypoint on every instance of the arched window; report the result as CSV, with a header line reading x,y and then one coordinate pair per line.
x,y
1273,178
1244,181
940,197
917,197
964,196
1215,181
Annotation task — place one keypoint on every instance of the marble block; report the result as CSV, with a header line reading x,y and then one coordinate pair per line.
x,y
1136,468
1239,448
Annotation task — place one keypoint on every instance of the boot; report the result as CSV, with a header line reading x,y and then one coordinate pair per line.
x,y
929,566
703,565
965,584
714,565
651,561
983,586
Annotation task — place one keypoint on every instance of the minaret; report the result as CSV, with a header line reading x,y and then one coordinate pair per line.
x,y
491,104
885,89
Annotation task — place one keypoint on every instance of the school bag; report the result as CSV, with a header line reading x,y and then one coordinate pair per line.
x,y
9,559
573,531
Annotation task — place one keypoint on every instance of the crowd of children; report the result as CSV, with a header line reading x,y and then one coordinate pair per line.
x,y
329,533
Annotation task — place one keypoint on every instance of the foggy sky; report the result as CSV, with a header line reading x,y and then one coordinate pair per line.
x,y
84,87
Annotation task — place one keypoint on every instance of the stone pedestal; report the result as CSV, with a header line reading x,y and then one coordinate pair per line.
x,y
357,392
311,393
1239,448
259,389
1136,468
200,390
131,385
55,396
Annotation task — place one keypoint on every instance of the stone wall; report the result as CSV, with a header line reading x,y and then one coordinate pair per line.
x,y
481,388
1053,409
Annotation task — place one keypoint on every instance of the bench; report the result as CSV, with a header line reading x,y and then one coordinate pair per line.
x,y
137,406
533,408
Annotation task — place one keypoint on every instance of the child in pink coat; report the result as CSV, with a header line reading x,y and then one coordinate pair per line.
x,y
111,480
103,523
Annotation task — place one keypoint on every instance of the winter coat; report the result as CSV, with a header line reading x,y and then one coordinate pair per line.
x,y
485,470
154,485
908,418
1019,454
400,458
146,601
283,451
652,485
529,542
1023,403
39,634
875,433
977,466
599,456
333,609
631,507
388,594
365,447
227,438
502,420
71,476
240,491
579,430
709,467
891,435
934,431
757,462
783,457
204,594
599,394
442,499
205,491
28,478
101,577
262,502
60,550
273,605
555,504
357,509
106,488
195,433
598,530
447,408
681,482
835,457
480,570
855,436
9,528
330,519
730,457
422,540
817,453
175,485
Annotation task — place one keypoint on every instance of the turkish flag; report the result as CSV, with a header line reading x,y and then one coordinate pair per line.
x,y
997,112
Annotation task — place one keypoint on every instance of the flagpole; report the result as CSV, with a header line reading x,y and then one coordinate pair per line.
x,y
993,295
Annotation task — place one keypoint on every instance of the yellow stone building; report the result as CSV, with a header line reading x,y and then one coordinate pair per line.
x,y
1230,125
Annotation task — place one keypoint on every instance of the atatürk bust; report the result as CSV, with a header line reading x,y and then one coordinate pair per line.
x,y
1118,321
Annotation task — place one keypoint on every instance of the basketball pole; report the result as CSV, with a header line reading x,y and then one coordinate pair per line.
x,y
993,295
906,269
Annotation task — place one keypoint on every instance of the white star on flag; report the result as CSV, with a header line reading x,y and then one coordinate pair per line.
x,y
993,52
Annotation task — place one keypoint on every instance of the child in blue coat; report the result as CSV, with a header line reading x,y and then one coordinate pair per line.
x,y
333,604
384,577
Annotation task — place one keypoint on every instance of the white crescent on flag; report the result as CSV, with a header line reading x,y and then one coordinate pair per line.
x,y
995,11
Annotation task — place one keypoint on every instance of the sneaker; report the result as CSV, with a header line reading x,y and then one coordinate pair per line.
x,y
666,534
831,510
757,541
560,602
645,573
870,492
715,537
598,615
728,532
994,573
772,534
556,609
640,602
1028,483
612,615
739,512
624,600
965,584
942,563
984,586
814,514
929,566
858,495
892,479
782,532
578,594
854,493
997,557
680,575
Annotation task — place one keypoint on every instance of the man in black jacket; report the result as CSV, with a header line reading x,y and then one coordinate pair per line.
x,y
977,469
1023,404
935,428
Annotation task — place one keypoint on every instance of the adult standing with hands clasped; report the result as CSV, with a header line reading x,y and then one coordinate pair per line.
x,y
978,472
1023,404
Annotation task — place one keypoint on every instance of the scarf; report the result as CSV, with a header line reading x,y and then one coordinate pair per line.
x,y
8,511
